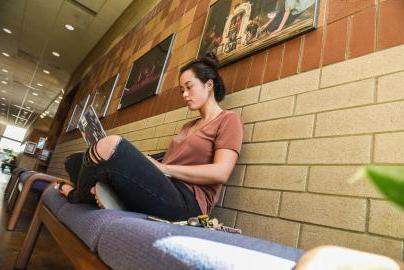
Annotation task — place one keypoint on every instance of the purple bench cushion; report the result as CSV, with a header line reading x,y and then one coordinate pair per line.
x,y
130,243
88,221
53,200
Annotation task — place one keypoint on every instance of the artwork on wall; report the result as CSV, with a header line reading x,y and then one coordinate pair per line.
x,y
30,148
146,74
103,96
41,142
236,28
77,113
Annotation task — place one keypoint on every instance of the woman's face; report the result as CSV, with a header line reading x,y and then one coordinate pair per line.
x,y
194,91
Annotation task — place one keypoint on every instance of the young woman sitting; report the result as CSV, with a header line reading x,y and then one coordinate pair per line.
x,y
188,180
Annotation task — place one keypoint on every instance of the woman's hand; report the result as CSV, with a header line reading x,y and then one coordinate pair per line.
x,y
65,189
159,165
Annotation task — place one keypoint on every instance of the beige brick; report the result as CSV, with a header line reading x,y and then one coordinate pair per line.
x,y
274,152
268,110
347,95
389,148
375,118
370,65
221,196
226,216
241,98
155,120
180,124
342,150
252,200
176,115
146,145
166,129
268,228
193,114
248,132
164,142
335,180
292,85
140,134
127,128
237,176
391,87
314,236
288,128
276,177
386,219
339,212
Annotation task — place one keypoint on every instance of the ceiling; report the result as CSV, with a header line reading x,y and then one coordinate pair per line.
x,y
39,55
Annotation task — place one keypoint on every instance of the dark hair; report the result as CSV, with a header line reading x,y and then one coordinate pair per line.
x,y
205,69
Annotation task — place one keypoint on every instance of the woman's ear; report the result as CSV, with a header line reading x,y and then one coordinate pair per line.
x,y
209,84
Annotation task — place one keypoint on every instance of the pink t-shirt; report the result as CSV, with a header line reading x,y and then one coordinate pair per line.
x,y
198,148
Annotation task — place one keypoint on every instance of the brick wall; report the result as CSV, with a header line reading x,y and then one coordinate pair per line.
x,y
315,108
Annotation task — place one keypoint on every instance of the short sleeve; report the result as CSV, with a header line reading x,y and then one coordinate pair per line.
x,y
230,133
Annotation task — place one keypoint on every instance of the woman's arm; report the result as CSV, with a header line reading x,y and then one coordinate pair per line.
x,y
216,173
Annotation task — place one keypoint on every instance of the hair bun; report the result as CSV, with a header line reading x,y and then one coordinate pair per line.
x,y
211,60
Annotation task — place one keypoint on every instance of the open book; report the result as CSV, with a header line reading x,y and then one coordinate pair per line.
x,y
90,126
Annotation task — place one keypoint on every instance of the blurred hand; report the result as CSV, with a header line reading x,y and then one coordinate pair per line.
x,y
66,188
159,165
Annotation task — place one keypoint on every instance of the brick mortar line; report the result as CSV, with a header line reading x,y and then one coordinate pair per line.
x,y
348,37
320,164
328,137
327,88
367,219
299,236
347,196
377,25
318,225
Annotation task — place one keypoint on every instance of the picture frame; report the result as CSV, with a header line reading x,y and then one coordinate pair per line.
x,y
144,79
235,29
77,113
30,148
103,95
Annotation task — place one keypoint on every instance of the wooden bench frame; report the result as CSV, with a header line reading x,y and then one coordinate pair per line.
x,y
17,199
74,249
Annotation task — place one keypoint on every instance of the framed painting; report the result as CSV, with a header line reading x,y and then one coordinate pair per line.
x,y
146,74
30,148
77,113
236,28
103,96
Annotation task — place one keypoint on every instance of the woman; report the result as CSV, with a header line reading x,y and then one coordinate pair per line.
x,y
198,161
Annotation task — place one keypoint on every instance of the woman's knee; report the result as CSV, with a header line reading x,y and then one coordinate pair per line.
x,y
107,145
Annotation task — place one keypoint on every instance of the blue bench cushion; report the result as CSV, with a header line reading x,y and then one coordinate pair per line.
x,y
130,243
53,200
88,221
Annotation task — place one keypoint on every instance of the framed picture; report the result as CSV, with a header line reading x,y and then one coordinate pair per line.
x,y
103,96
41,142
146,74
30,148
77,113
234,28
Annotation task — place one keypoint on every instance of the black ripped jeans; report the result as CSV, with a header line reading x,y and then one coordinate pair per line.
x,y
139,184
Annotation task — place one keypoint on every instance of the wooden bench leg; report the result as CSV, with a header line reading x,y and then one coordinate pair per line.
x,y
13,196
10,186
24,194
29,241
